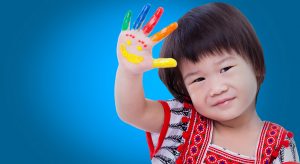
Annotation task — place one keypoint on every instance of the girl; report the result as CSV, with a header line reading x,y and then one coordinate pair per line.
x,y
216,70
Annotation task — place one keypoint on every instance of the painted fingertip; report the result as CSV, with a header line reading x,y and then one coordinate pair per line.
x,y
126,21
153,21
164,63
141,17
164,32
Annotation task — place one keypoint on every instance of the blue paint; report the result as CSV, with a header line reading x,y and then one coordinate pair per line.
x,y
138,22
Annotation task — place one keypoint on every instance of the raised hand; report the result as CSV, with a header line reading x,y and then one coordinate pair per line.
x,y
134,49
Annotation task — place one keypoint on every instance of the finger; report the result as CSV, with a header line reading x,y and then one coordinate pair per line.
x,y
164,63
126,21
153,21
138,22
164,32
129,56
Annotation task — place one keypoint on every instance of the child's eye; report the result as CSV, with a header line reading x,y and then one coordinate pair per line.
x,y
198,79
225,69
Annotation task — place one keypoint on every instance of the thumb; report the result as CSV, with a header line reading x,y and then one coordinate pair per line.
x,y
164,63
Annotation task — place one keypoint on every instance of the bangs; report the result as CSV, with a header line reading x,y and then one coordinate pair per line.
x,y
210,30
201,33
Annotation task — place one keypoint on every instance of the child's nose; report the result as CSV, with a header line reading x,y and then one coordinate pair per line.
x,y
218,89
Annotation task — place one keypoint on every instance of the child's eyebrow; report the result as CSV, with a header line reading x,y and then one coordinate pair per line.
x,y
224,59
190,74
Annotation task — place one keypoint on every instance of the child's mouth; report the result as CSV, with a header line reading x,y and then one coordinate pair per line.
x,y
224,103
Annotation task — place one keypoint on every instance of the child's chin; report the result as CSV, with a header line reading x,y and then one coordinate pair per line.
x,y
226,118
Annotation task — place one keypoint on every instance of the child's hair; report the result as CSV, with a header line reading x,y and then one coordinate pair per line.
x,y
209,30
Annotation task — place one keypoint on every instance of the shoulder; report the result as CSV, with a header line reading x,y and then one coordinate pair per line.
x,y
172,103
285,150
180,112
177,112
166,145
282,135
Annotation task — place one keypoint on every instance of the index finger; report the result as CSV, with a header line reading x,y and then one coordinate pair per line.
x,y
164,32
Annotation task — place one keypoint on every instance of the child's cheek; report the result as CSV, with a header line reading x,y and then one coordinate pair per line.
x,y
231,76
195,88
196,92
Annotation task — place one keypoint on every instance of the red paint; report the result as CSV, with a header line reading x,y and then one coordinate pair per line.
x,y
153,21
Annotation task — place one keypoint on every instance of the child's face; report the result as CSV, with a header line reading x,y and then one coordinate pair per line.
x,y
210,81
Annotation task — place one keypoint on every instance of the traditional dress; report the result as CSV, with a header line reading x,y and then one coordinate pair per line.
x,y
186,138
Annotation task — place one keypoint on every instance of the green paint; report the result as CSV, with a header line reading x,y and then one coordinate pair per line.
x,y
126,21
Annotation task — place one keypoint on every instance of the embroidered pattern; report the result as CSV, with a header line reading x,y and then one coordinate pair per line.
x,y
175,138
221,156
163,159
189,134
179,122
269,143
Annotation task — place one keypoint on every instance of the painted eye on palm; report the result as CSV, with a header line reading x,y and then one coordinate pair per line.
x,y
135,41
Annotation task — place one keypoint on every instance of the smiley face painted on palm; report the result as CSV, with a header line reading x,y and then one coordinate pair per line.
x,y
134,43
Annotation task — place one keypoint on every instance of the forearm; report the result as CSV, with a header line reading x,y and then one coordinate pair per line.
x,y
134,52
129,96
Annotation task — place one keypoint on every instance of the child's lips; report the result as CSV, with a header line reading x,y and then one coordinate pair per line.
x,y
223,101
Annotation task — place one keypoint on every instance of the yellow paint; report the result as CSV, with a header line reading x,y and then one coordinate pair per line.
x,y
128,42
164,63
129,56
156,63
139,48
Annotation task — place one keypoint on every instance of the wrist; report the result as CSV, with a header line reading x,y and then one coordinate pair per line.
x,y
127,73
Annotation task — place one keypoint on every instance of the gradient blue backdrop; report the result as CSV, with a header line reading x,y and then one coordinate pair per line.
x,y
58,66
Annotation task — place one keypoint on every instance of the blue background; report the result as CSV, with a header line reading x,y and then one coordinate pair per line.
x,y
58,65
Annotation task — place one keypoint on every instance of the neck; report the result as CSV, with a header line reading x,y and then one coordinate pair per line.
x,y
247,121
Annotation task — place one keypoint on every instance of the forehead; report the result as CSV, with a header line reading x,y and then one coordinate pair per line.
x,y
209,60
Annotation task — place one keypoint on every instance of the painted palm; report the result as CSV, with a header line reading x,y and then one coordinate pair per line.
x,y
135,45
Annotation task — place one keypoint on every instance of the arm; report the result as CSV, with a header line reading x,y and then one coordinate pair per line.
x,y
134,52
131,105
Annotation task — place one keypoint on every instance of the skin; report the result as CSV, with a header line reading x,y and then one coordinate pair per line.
x,y
135,46
134,53
236,125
